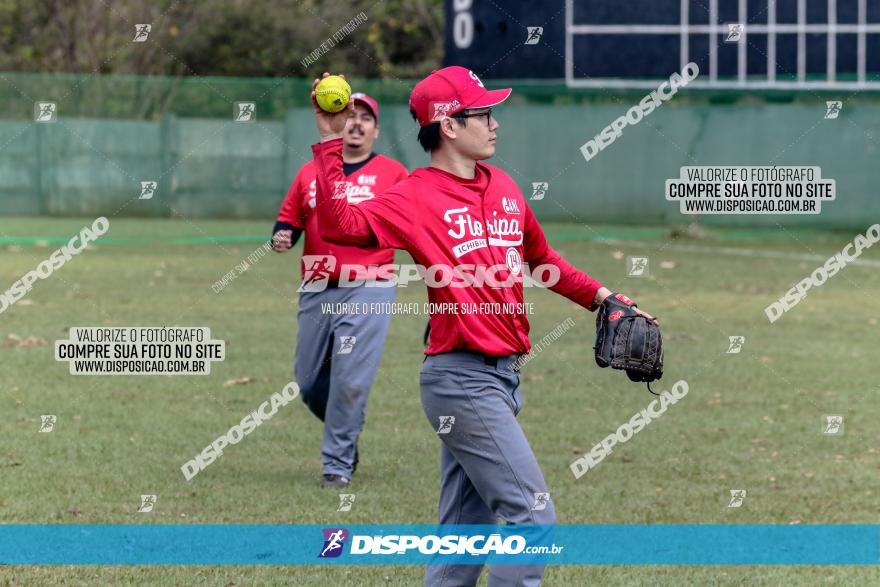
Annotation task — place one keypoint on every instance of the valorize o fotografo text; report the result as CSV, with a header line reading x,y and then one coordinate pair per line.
x,y
56,261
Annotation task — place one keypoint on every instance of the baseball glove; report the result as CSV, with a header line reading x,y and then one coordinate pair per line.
x,y
628,341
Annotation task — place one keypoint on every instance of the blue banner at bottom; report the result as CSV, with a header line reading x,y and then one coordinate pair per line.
x,y
229,544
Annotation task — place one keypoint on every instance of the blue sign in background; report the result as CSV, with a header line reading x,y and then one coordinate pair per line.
x,y
146,544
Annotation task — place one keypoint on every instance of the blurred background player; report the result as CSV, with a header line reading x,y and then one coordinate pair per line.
x,y
337,354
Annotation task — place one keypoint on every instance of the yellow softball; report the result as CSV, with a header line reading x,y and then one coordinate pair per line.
x,y
332,93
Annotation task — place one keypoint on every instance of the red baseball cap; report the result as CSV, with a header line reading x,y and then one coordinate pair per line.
x,y
368,102
450,90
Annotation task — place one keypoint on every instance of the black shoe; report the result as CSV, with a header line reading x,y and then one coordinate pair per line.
x,y
335,481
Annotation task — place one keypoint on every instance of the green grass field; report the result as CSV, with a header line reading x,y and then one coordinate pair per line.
x,y
751,420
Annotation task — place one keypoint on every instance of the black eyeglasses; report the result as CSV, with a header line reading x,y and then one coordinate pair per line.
x,y
487,114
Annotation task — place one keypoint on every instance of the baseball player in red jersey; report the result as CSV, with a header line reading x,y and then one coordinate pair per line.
x,y
463,214
337,354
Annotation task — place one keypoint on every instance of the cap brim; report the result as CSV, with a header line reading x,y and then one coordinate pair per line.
x,y
491,98
367,104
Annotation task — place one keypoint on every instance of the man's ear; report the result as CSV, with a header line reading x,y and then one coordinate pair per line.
x,y
447,127
376,132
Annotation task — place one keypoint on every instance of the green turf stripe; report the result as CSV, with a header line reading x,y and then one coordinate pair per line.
x,y
579,234
587,234
195,240
567,235
199,240
57,240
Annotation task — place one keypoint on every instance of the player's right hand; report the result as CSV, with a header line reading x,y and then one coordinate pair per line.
x,y
282,241
330,124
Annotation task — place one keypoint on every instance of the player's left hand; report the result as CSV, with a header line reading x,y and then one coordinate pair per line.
x,y
282,241
604,292
628,339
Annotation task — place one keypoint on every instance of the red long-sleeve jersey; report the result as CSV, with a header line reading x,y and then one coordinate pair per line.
x,y
442,219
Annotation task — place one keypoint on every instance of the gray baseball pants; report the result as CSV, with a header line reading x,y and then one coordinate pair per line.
x,y
337,356
487,468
